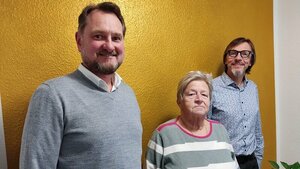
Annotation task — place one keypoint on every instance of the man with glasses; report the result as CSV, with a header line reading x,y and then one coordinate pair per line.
x,y
235,103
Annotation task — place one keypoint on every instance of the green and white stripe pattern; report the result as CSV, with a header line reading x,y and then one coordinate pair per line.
x,y
171,147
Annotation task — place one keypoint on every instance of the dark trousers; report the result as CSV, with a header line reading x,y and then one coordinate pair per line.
x,y
247,161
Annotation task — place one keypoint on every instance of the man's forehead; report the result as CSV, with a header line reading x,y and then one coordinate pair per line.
x,y
104,19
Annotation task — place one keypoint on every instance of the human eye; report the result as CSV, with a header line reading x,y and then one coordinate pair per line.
x,y
117,38
205,95
98,37
232,53
191,93
245,53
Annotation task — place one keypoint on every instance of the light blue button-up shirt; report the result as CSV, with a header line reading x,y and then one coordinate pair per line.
x,y
237,108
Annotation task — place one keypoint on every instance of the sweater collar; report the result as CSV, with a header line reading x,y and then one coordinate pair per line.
x,y
98,81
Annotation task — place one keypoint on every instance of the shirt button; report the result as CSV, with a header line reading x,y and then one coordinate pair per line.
x,y
245,126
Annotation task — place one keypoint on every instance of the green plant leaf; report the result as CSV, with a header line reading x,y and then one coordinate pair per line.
x,y
274,164
285,165
296,165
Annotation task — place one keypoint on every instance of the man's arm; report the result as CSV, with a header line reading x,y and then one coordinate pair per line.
x,y
43,130
259,138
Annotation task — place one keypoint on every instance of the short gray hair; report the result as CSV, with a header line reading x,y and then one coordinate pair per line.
x,y
192,76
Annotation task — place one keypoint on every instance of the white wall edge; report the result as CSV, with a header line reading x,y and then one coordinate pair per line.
x,y
3,159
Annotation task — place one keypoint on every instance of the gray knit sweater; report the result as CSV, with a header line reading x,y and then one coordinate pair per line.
x,y
73,124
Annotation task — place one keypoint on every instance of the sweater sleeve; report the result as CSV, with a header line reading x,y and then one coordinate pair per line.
x,y
154,154
43,130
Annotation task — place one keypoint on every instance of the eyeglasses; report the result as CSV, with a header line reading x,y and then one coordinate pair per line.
x,y
245,54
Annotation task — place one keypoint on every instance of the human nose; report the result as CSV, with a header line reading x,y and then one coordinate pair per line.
x,y
198,97
108,45
238,56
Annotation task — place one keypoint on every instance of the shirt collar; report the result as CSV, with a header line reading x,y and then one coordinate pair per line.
x,y
229,82
98,81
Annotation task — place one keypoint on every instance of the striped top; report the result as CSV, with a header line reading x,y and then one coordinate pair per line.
x,y
171,147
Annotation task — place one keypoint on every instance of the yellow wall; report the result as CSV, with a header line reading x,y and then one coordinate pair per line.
x,y
165,40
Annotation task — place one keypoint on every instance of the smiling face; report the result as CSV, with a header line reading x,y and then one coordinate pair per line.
x,y
101,43
196,99
237,66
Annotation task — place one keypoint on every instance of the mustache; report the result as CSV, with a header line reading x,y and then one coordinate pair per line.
x,y
238,63
107,53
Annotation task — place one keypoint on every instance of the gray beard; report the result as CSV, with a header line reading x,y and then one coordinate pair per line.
x,y
238,73
107,69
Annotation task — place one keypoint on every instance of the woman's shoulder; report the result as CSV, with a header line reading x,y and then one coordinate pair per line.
x,y
216,124
166,124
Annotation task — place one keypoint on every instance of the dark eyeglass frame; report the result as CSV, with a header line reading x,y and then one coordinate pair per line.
x,y
245,54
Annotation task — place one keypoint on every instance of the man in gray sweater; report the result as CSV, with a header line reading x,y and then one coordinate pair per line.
x,y
89,118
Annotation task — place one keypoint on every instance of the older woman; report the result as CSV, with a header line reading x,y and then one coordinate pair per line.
x,y
191,141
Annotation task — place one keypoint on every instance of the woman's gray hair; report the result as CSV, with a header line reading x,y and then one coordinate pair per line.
x,y
192,76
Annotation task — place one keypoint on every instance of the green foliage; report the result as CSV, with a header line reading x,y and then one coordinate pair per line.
x,y
274,165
